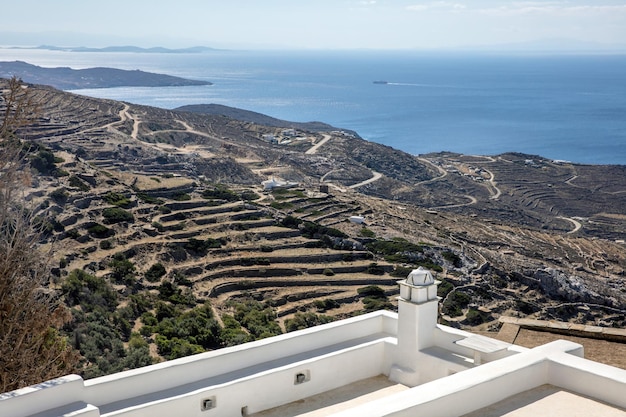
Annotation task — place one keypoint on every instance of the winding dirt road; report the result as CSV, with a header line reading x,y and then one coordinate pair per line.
x,y
576,223
313,149
375,177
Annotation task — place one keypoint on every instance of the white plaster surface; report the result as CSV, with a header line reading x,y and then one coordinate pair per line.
x,y
331,402
548,400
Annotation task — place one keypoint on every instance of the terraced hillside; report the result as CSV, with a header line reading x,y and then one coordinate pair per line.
x,y
165,242
222,244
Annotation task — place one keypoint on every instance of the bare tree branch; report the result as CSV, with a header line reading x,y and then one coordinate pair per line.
x,y
31,348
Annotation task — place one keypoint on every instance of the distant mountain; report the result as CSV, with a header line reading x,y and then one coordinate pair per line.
x,y
553,45
70,79
132,49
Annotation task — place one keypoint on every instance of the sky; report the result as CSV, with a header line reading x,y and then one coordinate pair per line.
x,y
315,24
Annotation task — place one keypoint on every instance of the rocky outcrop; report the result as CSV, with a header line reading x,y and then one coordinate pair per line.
x,y
570,288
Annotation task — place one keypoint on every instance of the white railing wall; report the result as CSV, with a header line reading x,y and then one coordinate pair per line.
x,y
184,371
596,380
269,389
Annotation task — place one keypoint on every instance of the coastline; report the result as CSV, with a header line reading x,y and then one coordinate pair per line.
x,y
566,108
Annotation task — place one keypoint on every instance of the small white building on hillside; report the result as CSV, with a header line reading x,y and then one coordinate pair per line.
x,y
374,365
273,183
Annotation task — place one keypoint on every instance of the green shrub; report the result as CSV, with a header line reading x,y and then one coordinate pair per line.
x,y
117,199
525,307
305,320
374,298
249,196
147,198
258,318
149,319
444,288
283,193
166,310
326,304
401,271
122,271
72,233
329,272
371,291
313,230
176,348
59,195
365,232
188,333
392,247
198,246
233,334
100,231
454,303
88,291
290,222
220,192
44,162
453,258
155,272
169,291
281,205
429,264
475,317
375,269
76,182
180,196
106,244
181,279
117,215
375,304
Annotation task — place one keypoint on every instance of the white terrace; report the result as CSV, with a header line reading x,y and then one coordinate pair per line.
x,y
378,364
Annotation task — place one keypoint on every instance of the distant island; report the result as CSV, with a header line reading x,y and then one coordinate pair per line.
x,y
127,48
65,78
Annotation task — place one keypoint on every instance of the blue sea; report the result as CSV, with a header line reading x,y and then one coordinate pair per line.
x,y
565,107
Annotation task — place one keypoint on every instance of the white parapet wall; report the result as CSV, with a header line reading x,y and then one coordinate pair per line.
x,y
359,347
264,390
249,358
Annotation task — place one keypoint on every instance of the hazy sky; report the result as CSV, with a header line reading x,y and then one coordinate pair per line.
x,y
387,24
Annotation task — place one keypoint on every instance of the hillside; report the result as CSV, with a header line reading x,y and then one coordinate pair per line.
x,y
254,117
167,209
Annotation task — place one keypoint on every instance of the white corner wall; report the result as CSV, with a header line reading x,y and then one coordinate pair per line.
x,y
596,380
39,398
555,363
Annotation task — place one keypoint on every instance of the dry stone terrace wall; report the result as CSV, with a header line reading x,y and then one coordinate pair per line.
x,y
254,251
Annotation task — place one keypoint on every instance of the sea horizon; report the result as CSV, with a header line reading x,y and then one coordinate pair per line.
x,y
567,107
